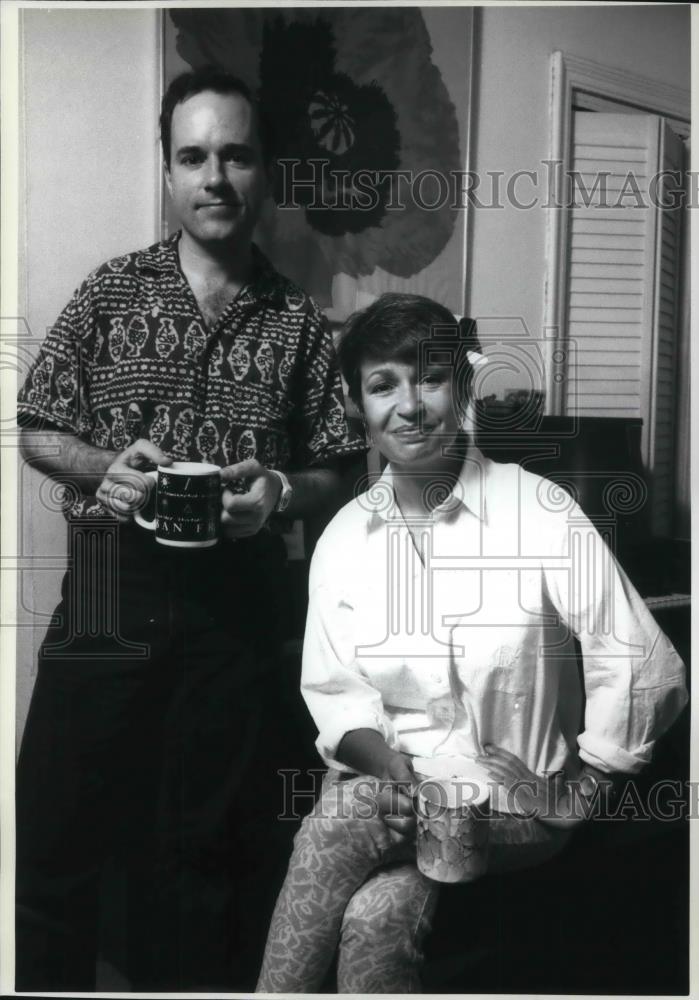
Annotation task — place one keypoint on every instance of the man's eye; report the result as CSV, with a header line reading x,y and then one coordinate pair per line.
x,y
434,378
190,160
378,387
240,159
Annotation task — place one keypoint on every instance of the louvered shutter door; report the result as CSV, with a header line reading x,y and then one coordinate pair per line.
x,y
623,261
662,399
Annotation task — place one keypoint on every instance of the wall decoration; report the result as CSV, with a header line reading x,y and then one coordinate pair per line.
x,y
370,109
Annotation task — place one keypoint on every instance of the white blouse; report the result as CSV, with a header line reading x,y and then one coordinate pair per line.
x,y
471,642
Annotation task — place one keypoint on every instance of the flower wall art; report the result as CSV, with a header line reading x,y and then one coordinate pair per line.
x,y
369,109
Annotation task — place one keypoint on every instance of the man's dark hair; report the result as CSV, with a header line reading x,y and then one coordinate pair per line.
x,y
220,82
393,329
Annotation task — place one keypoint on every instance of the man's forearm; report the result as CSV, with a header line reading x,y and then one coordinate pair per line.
x,y
66,458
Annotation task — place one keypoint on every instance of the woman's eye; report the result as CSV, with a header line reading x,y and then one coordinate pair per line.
x,y
434,378
380,387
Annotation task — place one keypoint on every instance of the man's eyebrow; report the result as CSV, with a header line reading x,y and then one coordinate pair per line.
x,y
188,150
237,147
229,147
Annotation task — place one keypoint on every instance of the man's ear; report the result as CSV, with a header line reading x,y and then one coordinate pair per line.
x,y
168,179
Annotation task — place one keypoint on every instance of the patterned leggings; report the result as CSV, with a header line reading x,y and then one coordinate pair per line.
x,y
353,881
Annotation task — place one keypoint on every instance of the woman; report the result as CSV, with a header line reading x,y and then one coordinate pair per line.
x,y
443,605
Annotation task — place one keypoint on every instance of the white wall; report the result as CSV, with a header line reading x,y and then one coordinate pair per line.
x,y
514,46
91,92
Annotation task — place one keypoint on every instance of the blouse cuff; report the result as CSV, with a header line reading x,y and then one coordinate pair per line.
x,y
607,756
331,735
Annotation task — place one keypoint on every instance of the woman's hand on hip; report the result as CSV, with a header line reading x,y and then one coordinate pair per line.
x,y
395,796
549,799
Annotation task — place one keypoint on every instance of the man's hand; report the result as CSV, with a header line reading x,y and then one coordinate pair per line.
x,y
395,803
245,513
124,489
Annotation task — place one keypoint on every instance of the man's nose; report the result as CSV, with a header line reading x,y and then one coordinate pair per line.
x,y
214,174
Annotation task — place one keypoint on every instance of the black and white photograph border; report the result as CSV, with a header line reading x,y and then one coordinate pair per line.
x,y
504,232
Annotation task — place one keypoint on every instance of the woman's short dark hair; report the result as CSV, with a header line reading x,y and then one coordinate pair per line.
x,y
394,327
213,78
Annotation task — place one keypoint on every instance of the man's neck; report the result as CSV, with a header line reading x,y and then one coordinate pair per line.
x,y
221,264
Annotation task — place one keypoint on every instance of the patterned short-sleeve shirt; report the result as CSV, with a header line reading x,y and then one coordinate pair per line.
x,y
132,357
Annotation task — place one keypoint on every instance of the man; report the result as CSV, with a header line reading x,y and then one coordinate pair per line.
x,y
147,728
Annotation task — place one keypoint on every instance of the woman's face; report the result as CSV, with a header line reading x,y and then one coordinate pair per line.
x,y
410,415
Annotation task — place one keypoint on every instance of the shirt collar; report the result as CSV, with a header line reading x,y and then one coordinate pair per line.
x,y
265,282
469,492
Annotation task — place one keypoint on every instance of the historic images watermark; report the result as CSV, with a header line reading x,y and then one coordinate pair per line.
x,y
666,801
312,185
93,541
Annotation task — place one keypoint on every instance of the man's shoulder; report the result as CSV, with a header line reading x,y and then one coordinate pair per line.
x,y
285,294
144,264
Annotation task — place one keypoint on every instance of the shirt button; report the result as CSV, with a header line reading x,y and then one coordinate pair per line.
x,y
516,704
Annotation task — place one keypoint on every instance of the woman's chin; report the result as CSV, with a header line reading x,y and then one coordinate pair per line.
x,y
421,454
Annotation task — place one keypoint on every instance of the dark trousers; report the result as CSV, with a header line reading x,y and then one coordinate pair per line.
x,y
145,742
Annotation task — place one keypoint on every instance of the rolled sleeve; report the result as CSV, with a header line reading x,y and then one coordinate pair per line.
x,y
327,433
55,392
338,696
634,679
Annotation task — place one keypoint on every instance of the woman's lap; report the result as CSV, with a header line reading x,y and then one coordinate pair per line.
x,y
514,841
354,880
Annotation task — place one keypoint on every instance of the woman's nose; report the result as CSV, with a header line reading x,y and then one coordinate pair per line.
x,y
409,402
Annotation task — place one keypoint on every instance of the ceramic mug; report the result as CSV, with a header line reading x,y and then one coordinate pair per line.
x,y
187,505
453,819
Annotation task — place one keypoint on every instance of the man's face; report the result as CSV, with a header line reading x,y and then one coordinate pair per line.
x,y
217,178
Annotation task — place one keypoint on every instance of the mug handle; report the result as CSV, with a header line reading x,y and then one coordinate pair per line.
x,y
137,516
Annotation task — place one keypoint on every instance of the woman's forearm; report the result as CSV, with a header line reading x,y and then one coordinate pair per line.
x,y
366,751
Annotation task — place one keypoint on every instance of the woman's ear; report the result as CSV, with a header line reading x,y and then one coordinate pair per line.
x,y
362,417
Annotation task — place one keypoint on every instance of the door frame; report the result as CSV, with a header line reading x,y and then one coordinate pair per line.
x,y
569,74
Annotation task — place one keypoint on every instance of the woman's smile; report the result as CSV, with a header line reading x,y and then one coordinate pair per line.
x,y
414,433
409,410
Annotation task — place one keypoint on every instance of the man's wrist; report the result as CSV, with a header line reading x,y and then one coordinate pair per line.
x,y
284,494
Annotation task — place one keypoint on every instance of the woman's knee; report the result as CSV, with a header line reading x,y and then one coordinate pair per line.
x,y
338,842
383,931
346,817
398,903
